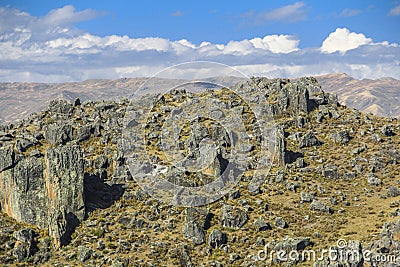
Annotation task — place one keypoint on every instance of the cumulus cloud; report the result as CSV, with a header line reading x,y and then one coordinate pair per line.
x,y
395,11
277,43
343,40
289,13
33,49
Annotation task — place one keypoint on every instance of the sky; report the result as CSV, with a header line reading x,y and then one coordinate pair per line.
x,y
60,41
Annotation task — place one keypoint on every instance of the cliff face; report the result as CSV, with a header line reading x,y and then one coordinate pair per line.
x,y
47,191
67,171
43,171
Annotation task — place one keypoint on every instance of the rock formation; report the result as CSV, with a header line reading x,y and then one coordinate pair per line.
x,y
68,180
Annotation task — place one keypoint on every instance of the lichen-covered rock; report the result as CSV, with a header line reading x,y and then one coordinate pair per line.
x,y
330,171
84,133
7,157
233,217
64,179
261,225
341,137
318,205
23,192
216,238
60,108
196,221
308,140
46,191
281,223
373,180
84,253
58,134
26,246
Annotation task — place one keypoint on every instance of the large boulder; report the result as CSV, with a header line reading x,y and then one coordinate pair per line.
x,y
293,97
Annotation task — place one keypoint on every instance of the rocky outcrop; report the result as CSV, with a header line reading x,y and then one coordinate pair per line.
x,y
69,161
46,191
64,186
294,97
26,244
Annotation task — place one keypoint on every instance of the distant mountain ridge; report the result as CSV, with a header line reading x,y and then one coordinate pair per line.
x,y
380,97
18,100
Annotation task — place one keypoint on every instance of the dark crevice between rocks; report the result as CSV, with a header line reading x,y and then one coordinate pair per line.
x,y
291,156
72,221
98,194
207,223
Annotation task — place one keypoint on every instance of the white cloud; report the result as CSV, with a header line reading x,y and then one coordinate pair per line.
x,y
395,11
349,13
33,49
289,13
277,43
67,16
343,40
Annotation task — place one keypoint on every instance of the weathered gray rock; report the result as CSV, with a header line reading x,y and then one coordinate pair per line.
x,y
58,134
64,180
330,171
26,246
373,180
7,157
306,197
308,140
317,205
233,217
84,253
255,183
393,191
387,246
293,98
280,223
341,137
84,133
196,221
359,150
348,254
216,238
47,192
262,225
23,144
297,243
60,107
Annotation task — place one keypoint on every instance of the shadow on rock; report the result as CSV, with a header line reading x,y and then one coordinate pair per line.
x,y
98,194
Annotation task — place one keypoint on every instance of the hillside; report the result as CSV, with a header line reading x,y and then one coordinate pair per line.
x,y
123,182
18,100
380,97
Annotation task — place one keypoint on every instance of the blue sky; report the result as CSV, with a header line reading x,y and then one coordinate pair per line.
x,y
111,39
